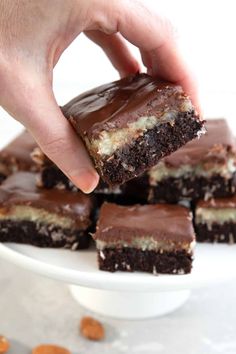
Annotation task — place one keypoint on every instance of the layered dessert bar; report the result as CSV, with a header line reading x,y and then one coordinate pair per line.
x,y
16,155
130,124
215,220
150,238
199,170
44,218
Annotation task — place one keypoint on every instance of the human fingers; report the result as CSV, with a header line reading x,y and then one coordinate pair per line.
x,y
36,108
155,37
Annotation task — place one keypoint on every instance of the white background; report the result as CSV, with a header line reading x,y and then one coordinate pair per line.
x,y
206,31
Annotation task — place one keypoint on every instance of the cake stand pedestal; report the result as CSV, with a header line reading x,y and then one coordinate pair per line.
x,y
129,305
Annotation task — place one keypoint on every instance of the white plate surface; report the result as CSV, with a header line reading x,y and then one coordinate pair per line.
x,y
213,263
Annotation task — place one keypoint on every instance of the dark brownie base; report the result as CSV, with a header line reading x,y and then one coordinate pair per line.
x,y
132,259
2,177
136,190
172,190
53,177
42,235
145,152
112,198
219,233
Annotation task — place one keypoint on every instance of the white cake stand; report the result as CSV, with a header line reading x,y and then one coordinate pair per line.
x,y
124,295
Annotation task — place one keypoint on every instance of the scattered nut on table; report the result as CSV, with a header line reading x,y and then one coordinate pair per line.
x,y
91,329
50,349
4,345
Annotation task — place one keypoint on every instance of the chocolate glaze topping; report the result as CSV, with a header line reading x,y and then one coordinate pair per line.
x,y
218,203
214,146
19,150
20,189
163,222
115,104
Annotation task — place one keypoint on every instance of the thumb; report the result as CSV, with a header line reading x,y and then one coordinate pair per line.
x,y
38,111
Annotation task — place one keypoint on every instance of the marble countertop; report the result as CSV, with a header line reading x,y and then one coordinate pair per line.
x,y
35,310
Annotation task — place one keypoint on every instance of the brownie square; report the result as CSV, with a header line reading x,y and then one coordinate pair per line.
x,y
44,218
16,155
130,124
150,238
199,170
215,220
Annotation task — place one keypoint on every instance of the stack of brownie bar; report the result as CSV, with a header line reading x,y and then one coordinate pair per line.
x,y
203,174
44,218
152,238
200,175
131,128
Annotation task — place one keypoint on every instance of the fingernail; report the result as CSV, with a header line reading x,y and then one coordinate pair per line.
x,y
87,181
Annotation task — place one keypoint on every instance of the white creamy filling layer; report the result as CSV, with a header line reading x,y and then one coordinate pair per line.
x,y
211,215
108,191
160,171
146,244
109,141
21,212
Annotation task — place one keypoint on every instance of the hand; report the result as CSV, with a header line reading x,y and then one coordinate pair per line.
x,y
33,35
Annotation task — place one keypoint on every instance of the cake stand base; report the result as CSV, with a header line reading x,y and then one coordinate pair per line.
x,y
129,305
